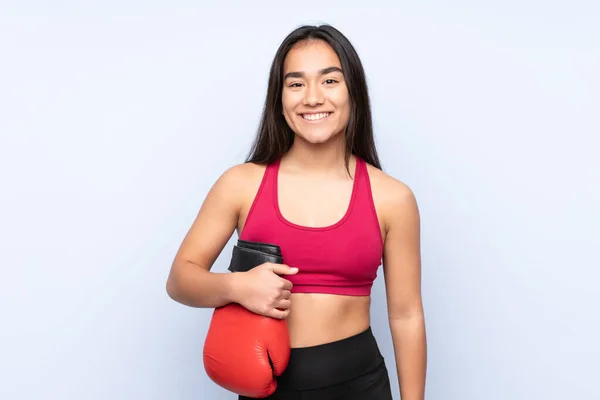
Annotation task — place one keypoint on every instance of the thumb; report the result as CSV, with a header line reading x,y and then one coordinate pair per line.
x,y
282,269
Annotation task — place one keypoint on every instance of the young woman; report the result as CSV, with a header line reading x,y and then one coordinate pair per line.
x,y
313,184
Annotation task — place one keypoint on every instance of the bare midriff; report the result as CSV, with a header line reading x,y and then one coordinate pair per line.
x,y
317,318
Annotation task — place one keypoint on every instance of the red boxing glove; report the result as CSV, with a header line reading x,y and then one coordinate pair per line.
x,y
244,351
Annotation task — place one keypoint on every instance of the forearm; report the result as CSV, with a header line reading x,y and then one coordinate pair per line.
x,y
195,286
410,347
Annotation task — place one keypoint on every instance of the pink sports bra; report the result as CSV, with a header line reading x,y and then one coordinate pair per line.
x,y
342,258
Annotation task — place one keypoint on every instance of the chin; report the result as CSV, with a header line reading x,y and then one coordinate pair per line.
x,y
316,139
318,136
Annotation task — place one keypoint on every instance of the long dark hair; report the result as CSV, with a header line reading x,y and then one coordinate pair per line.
x,y
274,137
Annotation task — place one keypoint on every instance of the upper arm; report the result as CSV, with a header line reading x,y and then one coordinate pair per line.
x,y
402,253
216,220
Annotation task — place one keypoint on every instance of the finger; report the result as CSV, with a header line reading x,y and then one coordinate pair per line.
x,y
285,294
282,269
283,304
285,285
278,314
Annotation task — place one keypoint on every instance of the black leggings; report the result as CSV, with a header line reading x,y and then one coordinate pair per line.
x,y
348,369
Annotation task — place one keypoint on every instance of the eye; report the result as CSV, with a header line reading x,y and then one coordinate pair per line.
x,y
330,81
295,85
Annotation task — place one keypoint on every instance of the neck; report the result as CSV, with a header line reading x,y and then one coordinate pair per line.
x,y
323,157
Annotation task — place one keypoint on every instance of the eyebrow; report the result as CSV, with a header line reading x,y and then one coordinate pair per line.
x,y
324,71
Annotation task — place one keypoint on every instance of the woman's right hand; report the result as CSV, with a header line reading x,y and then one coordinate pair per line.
x,y
263,291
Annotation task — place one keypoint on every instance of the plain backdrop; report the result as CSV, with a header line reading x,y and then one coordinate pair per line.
x,y
117,117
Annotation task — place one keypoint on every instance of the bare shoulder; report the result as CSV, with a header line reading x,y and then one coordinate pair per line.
x,y
394,200
239,185
218,216
233,187
388,188
241,178
239,173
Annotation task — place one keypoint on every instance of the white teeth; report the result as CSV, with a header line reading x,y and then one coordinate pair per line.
x,y
315,117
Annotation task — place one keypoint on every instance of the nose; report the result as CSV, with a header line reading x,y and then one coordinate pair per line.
x,y
313,95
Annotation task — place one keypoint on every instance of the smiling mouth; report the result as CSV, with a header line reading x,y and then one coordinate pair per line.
x,y
315,117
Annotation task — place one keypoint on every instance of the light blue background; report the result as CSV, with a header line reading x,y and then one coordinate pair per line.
x,y
115,120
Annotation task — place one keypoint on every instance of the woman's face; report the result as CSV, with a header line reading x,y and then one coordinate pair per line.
x,y
316,104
